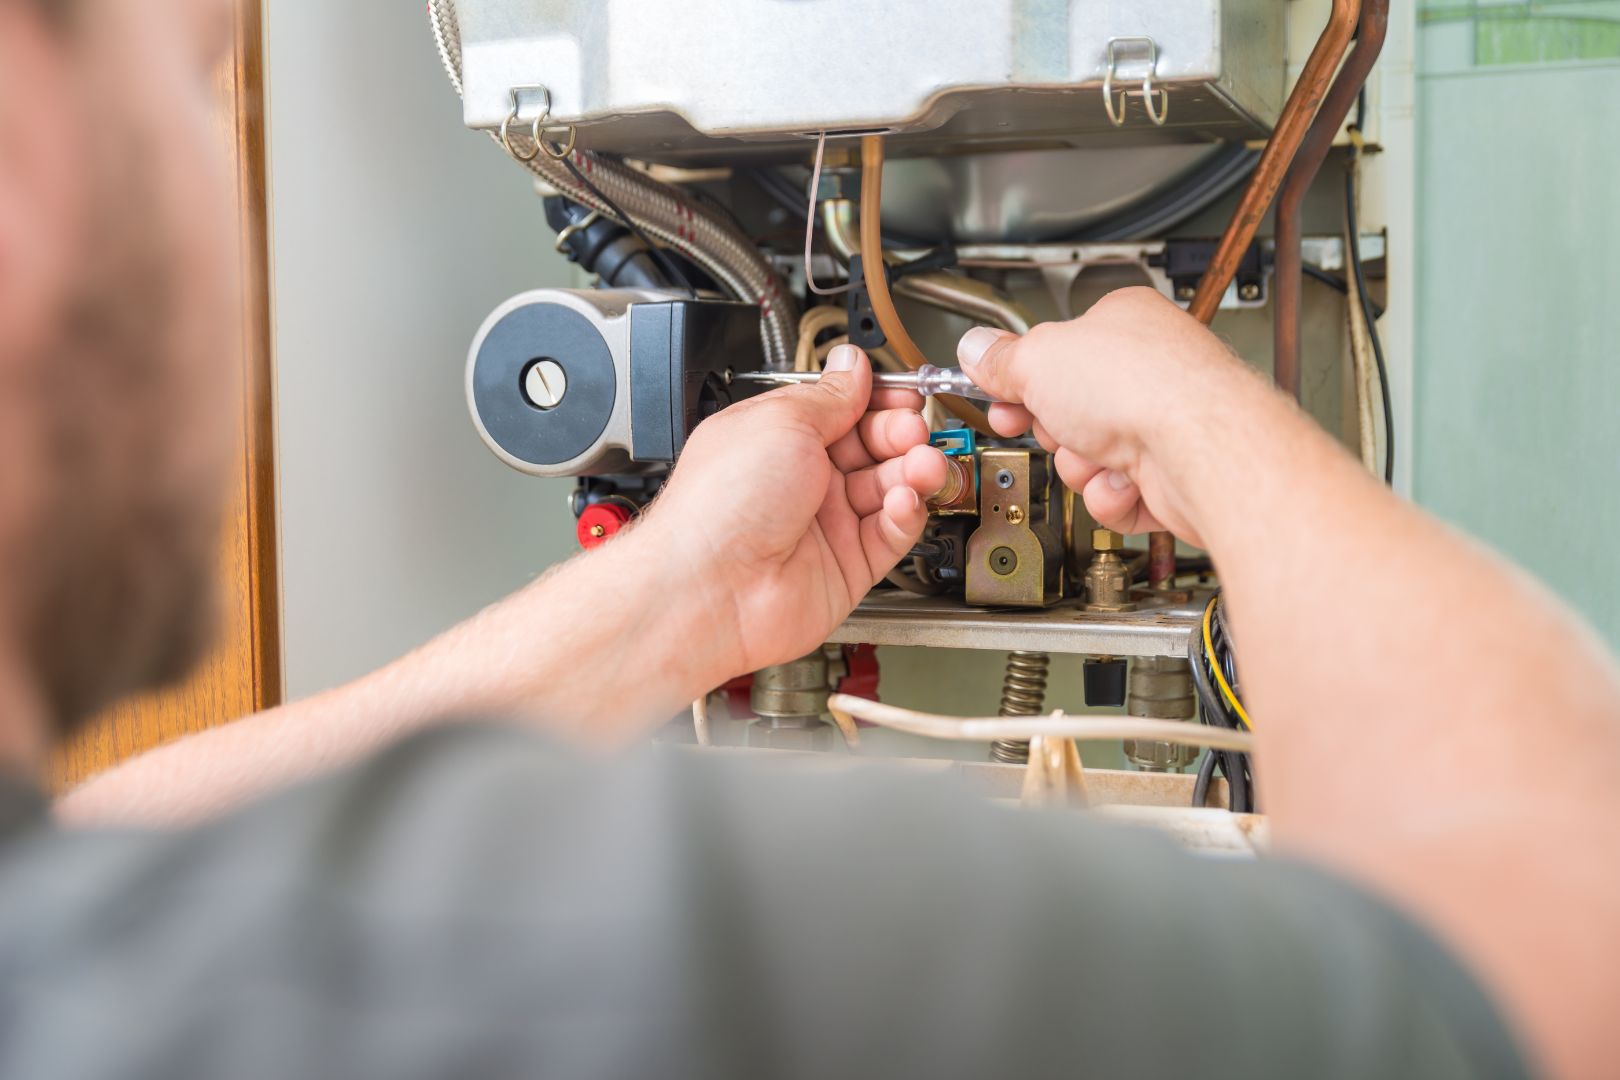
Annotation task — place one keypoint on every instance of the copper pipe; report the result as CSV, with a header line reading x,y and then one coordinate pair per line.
x,y
877,281
1297,117
1292,125
1161,559
1287,281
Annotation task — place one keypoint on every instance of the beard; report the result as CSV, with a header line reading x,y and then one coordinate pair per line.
x,y
119,568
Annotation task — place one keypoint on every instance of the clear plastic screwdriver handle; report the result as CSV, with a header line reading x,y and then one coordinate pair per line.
x,y
929,380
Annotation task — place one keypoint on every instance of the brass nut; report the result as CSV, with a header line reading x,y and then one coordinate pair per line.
x,y
1106,540
598,531
1015,515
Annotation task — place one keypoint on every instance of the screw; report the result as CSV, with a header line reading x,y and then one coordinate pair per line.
x,y
598,531
1249,291
1004,478
1015,515
544,384
1185,292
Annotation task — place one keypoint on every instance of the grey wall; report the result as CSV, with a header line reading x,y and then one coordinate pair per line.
x,y
394,232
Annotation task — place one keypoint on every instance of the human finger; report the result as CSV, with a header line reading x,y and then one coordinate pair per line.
x,y
894,399
1116,502
922,469
879,436
832,404
994,360
1009,420
889,533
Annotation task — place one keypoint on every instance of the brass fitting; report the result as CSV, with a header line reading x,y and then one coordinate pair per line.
x,y
1160,687
1108,579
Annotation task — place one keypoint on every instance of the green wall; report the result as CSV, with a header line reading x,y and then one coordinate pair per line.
x,y
1517,366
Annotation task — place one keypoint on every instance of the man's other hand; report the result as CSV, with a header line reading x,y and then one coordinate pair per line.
x,y
789,506
1104,392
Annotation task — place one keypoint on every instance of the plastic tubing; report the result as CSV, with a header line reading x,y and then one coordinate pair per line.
x,y
877,282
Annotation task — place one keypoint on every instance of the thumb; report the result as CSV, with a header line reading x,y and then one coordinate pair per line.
x,y
991,359
833,403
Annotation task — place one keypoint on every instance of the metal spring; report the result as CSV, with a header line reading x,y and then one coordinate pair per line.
x,y
1023,693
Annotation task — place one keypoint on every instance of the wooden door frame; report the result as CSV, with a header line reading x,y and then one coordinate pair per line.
x,y
243,674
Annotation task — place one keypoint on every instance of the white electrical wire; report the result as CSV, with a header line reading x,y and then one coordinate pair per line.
x,y
1054,725
810,227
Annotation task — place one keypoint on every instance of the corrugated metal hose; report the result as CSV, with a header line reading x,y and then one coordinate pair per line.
x,y
663,211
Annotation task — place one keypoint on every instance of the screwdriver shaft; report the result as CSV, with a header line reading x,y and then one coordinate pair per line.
x,y
927,382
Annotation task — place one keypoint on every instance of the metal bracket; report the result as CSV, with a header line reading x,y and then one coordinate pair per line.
x,y
1159,112
536,127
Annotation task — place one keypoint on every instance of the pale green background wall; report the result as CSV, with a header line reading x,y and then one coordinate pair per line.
x,y
1517,365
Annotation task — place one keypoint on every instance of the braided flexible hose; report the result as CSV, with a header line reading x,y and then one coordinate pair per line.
x,y
693,230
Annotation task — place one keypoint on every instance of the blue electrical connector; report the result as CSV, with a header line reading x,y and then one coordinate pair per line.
x,y
953,442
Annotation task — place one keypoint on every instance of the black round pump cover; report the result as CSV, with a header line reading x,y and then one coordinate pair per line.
x,y
541,331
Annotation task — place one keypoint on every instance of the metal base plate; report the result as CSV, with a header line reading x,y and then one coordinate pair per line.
x,y
1065,628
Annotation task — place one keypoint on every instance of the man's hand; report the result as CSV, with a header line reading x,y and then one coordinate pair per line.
x,y
1099,393
791,505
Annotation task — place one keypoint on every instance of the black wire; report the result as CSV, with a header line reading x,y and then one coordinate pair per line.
x,y
1214,711
1236,769
1152,215
659,254
1335,282
1206,774
1157,214
1353,227
1221,637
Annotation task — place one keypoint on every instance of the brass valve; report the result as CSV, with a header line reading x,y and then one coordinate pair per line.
x,y
1108,578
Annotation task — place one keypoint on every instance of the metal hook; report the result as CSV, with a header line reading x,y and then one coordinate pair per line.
x,y
536,128
568,147
1157,102
569,230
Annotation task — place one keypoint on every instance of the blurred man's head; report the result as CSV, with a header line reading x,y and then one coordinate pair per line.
x,y
117,302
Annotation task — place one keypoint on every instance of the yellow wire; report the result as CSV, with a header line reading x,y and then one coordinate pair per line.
x,y
1214,665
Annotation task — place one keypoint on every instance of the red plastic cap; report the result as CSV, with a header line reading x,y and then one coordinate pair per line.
x,y
862,680
599,521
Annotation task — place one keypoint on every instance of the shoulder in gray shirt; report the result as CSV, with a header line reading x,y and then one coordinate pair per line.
x,y
473,902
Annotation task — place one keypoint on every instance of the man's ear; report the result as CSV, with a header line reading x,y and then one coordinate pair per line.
x,y
43,188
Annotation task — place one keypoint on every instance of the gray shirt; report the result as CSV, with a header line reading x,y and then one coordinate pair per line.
x,y
473,902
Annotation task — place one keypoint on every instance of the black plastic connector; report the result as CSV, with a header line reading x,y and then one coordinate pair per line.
x,y
1104,682
604,247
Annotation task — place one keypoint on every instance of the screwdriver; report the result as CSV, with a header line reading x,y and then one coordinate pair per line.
x,y
927,380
